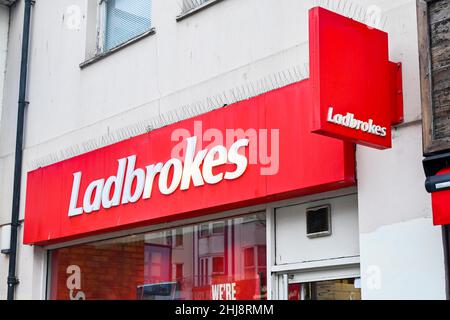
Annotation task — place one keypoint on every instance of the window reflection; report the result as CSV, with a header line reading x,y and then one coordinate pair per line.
x,y
341,289
219,260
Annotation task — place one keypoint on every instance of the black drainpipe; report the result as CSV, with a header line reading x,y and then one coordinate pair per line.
x,y
12,279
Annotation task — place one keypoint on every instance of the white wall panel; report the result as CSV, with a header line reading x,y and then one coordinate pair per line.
x,y
292,244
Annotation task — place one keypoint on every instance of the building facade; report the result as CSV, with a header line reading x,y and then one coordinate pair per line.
x,y
434,36
106,74
4,12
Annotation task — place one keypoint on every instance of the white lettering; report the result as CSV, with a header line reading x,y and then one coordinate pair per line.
x,y
152,171
212,161
192,165
73,210
132,174
74,280
164,187
74,283
239,160
96,189
198,167
117,181
349,121
224,291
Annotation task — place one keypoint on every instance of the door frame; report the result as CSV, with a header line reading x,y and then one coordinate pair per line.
x,y
274,269
284,278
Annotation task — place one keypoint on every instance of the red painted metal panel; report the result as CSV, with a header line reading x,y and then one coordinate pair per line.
x,y
350,76
308,163
440,203
396,79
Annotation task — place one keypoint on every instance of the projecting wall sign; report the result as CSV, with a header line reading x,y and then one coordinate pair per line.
x,y
351,77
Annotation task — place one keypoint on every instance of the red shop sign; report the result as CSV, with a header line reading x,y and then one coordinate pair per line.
x,y
356,90
282,159
255,151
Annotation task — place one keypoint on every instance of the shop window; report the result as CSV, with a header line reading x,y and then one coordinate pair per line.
x,y
262,256
204,272
123,20
169,240
179,238
342,289
179,275
218,228
218,265
157,263
204,231
178,271
148,266
255,259
249,257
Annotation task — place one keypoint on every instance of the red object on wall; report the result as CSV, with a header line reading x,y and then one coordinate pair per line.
x,y
396,91
350,73
440,201
308,163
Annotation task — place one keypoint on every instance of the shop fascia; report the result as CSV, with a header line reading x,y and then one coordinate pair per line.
x,y
358,51
197,167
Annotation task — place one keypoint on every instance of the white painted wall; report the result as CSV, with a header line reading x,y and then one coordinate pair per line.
x,y
4,26
228,44
403,261
292,244
401,251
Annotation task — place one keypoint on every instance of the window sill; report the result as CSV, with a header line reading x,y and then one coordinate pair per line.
x,y
103,55
193,11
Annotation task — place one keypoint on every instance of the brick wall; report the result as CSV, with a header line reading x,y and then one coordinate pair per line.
x,y
107,272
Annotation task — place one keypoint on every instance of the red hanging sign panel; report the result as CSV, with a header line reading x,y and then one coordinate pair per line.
x,y
355,89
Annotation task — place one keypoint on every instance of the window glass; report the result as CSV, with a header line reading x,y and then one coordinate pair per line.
x,y
126,19
218,227
342,289
209,265
204,230
179,238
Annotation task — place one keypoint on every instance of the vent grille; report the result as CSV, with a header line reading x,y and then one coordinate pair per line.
x,y
318,221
